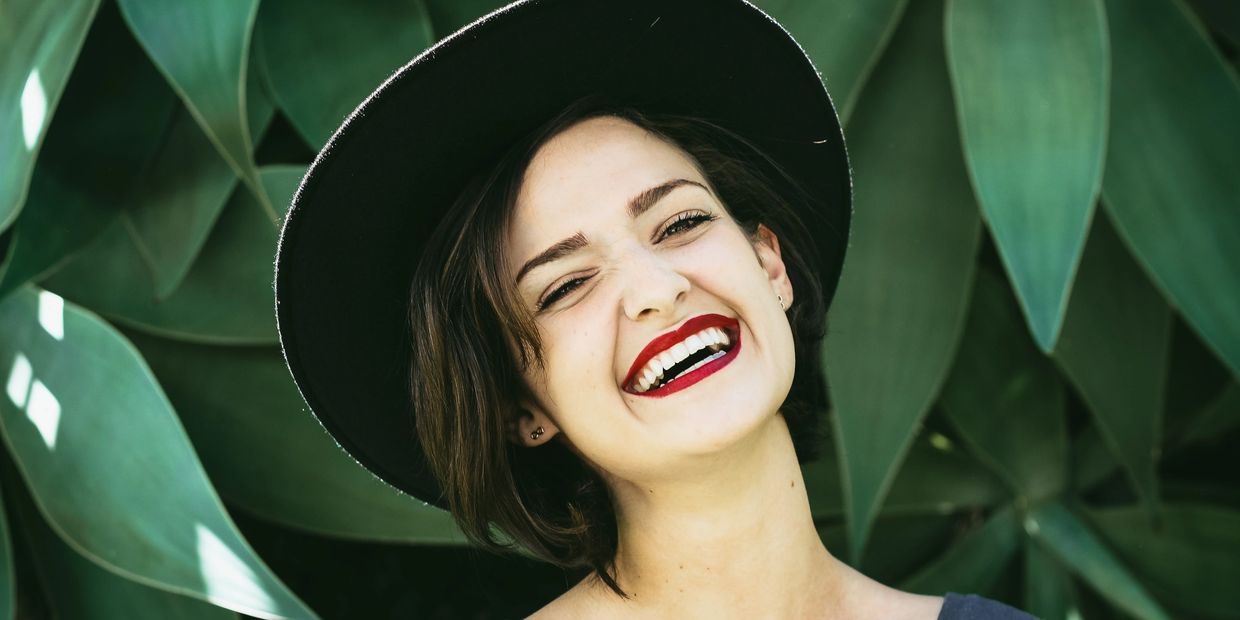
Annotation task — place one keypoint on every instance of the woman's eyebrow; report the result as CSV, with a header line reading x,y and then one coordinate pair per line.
x,y
561,249
637,205
643,201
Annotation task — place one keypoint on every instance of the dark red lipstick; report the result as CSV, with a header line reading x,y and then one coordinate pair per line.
x,y
665,341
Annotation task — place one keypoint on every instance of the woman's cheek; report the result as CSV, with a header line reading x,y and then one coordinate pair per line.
x,y
721,247
575,367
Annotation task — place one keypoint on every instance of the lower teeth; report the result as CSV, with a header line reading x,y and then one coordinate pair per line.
x,y
694,367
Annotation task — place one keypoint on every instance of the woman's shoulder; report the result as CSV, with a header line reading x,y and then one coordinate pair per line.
x,y
974,607
561,607
574,603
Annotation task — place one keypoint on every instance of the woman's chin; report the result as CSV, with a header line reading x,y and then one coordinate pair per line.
x,y
716,428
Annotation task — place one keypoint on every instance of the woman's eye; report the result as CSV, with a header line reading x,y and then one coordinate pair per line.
x,y
683,223
561,291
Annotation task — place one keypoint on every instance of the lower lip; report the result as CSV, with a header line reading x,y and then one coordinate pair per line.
x,y
689,379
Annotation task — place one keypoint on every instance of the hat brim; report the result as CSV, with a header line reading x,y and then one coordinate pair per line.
x,y
376,191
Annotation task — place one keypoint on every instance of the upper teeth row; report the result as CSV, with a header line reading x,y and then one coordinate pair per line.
x,y
653,371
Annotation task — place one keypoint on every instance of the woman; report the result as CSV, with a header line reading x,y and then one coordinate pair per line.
x,y
615,228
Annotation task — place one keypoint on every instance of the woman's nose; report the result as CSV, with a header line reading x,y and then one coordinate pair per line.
x,y
652,285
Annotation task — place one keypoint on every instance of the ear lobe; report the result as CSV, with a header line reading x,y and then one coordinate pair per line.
x,y
766,245
533,427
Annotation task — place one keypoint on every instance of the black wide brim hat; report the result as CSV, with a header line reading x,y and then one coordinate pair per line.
x,y
371,199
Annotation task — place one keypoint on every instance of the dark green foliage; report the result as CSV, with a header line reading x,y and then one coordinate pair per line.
x,y
1034,356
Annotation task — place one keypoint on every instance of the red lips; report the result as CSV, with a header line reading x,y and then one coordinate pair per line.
x,y
665,341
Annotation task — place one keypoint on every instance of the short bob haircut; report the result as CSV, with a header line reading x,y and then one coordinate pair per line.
x,y
472,335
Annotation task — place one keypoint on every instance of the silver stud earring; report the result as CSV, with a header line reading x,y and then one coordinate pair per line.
x,y
536,433
781,301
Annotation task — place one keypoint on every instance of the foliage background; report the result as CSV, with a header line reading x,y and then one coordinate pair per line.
x,y
1033,356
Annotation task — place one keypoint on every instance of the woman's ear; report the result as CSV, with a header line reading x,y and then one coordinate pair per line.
x,y
533,426
766,246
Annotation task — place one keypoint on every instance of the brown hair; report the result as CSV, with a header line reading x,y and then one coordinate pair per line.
x,y
467,320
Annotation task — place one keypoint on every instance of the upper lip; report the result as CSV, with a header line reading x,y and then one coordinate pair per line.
x,y
688,328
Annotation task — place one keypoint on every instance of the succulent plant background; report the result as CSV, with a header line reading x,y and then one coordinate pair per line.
x,y
1034,355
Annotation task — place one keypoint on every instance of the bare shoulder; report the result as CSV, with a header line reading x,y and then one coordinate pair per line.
x,y
907,606
557,608
921,606
577,602
875,600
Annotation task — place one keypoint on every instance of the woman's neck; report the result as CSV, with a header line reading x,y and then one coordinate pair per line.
x,y
736,538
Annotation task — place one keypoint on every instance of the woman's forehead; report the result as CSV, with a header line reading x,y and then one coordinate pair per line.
x,y
598,162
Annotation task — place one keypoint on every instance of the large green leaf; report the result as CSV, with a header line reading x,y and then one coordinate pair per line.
x,y
1076,545
1200,406
79,588
95,438
1005,398
1195,378
8,574
1048,588
202,48
224,299
1173,169
844,38
39,44
352,48
1192,558
281,182
1031,85
185,190
974,562
904,290
447,16
265,452
901,545
1221,16
1219,417
1114,348
936,478
111,121
1092,460
1188,491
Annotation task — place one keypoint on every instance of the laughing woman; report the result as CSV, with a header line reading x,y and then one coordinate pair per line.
x,y
566,275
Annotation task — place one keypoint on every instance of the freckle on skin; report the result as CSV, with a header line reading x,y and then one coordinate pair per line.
x,y
792,484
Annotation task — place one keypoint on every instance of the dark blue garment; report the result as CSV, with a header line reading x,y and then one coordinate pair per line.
x,y
974,607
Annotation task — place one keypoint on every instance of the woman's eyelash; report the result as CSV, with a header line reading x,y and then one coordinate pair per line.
x,y
561,291
690,221
683,223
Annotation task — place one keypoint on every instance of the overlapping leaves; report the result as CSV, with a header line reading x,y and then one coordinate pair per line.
x,y
1067,381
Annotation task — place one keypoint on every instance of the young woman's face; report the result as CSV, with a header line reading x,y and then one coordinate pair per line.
x,y
622,253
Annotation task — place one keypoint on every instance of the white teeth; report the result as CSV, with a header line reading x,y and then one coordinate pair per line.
x,y
703,362
652,374
694,342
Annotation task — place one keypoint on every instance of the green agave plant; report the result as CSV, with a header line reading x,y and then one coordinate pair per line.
x,y
1033,357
